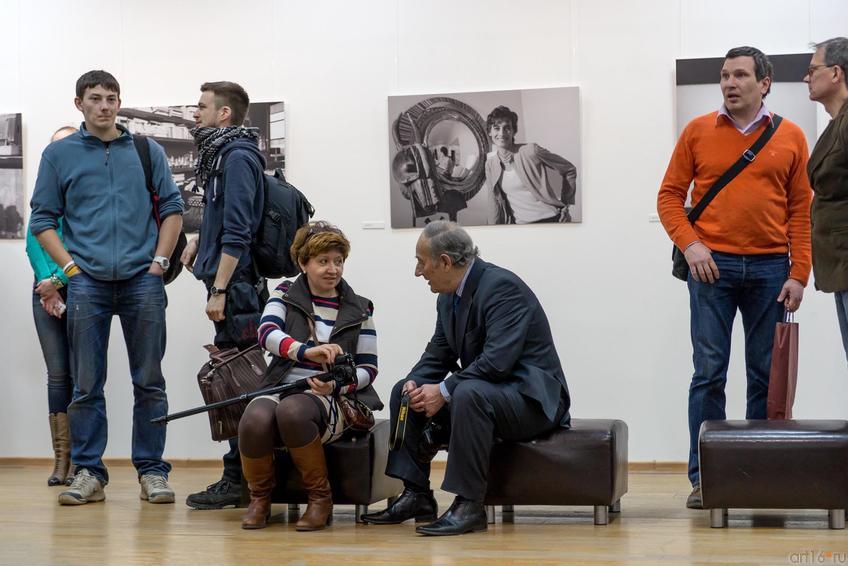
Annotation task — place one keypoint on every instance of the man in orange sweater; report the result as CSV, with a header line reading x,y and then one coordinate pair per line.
x,y
750,249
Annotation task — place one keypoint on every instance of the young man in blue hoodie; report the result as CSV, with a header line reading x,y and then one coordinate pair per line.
x,y
230,168
115,258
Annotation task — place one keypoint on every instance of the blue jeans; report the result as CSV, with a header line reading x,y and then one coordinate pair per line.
x,y
139,302
842,315
751,284
53,337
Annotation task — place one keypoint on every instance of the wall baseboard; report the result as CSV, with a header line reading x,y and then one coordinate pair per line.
x,y
636,467
659,467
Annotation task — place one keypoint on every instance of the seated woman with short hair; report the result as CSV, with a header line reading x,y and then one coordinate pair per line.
x,y
305,325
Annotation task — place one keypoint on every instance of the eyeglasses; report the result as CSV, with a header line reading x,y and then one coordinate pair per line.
x,y
813,68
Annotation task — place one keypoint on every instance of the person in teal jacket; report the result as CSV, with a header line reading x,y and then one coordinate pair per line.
x,y
48,308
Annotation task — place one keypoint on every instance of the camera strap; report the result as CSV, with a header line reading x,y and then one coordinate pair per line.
x,y
399,432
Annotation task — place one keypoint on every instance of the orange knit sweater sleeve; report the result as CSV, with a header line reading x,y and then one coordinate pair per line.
x,y
672,196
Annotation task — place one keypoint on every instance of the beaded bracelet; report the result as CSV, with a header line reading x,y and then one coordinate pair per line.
x,y
56,281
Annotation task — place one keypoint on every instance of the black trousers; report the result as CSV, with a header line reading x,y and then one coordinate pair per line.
x,y
479,413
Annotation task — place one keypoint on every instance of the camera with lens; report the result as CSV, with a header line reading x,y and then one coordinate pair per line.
x,y
343,370
434,437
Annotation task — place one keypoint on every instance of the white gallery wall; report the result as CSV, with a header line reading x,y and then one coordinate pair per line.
x,y
619,319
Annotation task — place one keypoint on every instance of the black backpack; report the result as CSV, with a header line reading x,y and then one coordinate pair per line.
x,y
285,209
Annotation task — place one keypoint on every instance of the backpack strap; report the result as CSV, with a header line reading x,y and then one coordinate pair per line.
x,y
142,147
217,172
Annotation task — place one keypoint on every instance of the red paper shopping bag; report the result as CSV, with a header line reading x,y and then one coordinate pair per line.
x,y
784,369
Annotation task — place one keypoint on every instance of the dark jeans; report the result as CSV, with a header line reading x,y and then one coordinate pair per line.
x,y
750,284
53,336
246,298
479,412
139,302
841,298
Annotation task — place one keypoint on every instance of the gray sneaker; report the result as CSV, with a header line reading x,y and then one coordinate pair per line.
x,y
694,499
155,489
84,489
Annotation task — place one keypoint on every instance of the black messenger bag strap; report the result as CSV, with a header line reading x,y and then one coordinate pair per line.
x,y
747,157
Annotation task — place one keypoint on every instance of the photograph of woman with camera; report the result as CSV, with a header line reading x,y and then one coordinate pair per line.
x,y
307,323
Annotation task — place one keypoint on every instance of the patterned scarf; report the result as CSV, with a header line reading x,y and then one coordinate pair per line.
x,y
210,140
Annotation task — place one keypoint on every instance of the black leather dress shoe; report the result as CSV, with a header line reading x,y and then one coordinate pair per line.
x,y
410,505
464,516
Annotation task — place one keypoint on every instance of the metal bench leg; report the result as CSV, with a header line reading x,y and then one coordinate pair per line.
x,y
718,518
615,507
490,514
837,518
294,512
601,515
359,511
507,514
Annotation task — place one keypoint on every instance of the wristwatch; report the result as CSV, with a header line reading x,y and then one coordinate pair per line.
x,y
215,291
163,262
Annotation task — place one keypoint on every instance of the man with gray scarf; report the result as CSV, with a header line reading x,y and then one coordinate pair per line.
x,y
230,168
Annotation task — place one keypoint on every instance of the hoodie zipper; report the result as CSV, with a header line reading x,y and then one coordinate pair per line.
x,y
114,214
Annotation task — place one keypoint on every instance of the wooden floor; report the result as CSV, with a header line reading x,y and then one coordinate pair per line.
x,y
654,527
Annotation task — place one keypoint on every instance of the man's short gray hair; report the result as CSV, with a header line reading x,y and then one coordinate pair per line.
x,y
451,239
835,53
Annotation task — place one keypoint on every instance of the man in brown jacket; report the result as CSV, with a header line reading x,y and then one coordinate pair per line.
x,y
828,171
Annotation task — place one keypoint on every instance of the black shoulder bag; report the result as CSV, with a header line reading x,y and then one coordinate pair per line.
x,y
680,267
142,147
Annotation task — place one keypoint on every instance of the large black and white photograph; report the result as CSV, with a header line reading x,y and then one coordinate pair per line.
x,y
485,158
171,125
11,177
698,91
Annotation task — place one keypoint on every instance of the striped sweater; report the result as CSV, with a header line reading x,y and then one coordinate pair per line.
x,y
274,339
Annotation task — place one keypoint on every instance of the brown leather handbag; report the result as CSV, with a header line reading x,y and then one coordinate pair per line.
x,y
228,374
357,415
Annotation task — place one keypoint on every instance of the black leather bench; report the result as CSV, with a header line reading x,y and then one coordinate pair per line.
x,y
756,464
583,465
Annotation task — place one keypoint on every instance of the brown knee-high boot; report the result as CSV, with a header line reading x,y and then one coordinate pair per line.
x,y
310,461
259,473
61,448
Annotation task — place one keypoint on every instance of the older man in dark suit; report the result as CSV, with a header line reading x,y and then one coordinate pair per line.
x,y
511,385
828,170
